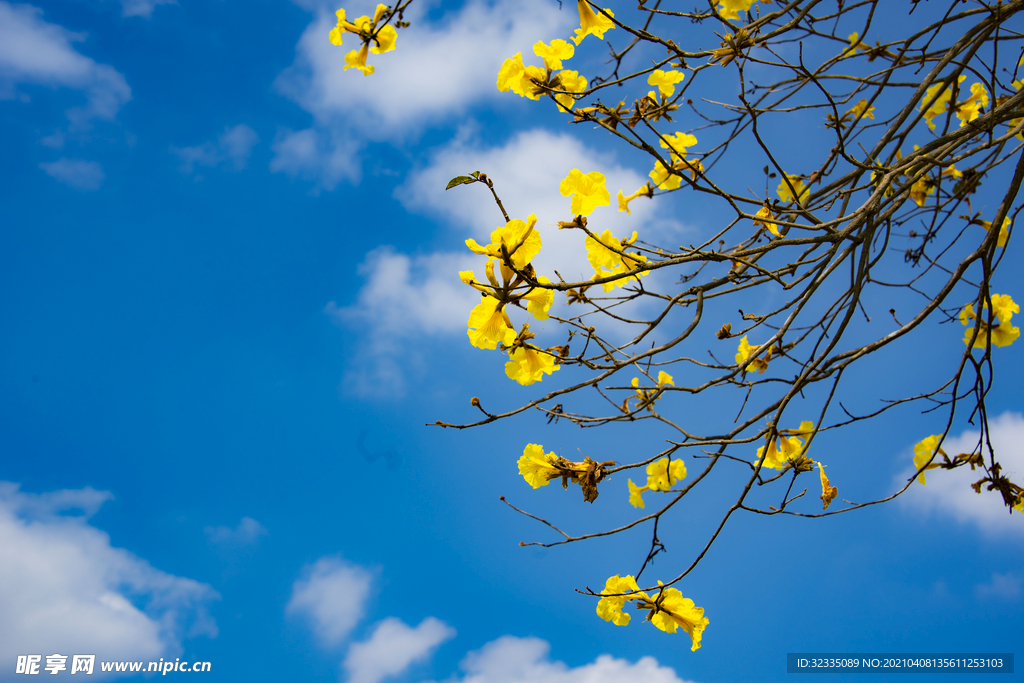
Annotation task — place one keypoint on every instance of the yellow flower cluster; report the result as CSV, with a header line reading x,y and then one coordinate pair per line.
x,y
383,39
677,144
668,609
662,475
937,101
608,256
1004,334
787,449
646,397
512,248
532,81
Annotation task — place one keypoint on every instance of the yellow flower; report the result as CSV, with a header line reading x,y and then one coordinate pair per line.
x,y
635,498
970,109
802,191
572,82
936,101
952,172
923,452
518,78
666,82
539,299
1005,334
624,201
386,37
537,467
920,190
489,325
730,9
342,27
662,475
529,364
383,41
671,610
861,110
759,364
663,179
678,144
765,212
519,239
855,44
554,53
588,191
789,447
591,22
648,395
828,492
357,59
601,256
1004,232
610,608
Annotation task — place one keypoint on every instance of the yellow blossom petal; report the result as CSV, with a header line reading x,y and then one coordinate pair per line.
x,y
357,59
488,325
923,452
610,608
666,82
802,191
587,190
537,467
529,365
592,23
635,497
1004,232
554,53
676,611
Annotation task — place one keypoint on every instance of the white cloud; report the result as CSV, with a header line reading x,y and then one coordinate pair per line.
x,y
404,298
33,51
64,586
142,8
315,154
76,173
949,492
1002,587
525,660
438,69
234,145
246,533
332,596
392,648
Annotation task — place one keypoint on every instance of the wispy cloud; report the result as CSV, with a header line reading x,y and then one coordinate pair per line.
x,y
33,51
232,148
438,70
392,648
525,660
332,597
1001,586
76,173
948,493
142,8
63,584
248,532
324,157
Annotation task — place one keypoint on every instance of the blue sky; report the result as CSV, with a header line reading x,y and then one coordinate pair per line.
x,y
230,307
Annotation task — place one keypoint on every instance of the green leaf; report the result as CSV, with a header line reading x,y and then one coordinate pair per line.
x,y
460,180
